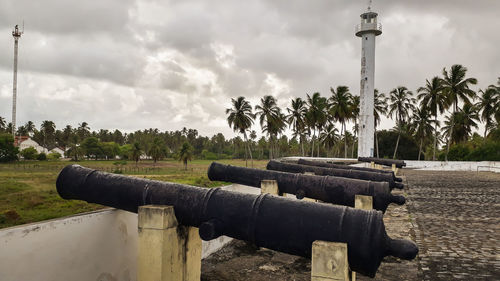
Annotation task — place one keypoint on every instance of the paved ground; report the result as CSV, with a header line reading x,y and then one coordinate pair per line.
x,y
454,217
457,217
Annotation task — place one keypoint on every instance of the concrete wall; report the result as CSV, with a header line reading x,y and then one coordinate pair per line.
x,y
99,245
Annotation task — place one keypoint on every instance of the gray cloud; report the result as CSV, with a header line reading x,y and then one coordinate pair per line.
x,y
145,63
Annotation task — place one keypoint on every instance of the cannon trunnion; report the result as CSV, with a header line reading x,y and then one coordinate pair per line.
x,y
328,189
281,224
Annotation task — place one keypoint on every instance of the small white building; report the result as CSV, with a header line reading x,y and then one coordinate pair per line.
x,y
57,150
24,142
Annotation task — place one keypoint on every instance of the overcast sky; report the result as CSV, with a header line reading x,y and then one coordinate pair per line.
x,y
129,65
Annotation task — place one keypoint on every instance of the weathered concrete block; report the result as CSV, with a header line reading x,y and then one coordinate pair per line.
x,y
363,202
167,251
329,261
270,187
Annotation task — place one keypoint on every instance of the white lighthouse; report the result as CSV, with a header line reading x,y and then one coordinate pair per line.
x,y
367,30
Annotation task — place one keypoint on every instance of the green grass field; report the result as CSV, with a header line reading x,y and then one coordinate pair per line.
x,y
28,192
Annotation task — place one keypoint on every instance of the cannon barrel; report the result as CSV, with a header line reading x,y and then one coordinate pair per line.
x,y
320,171
347,167
281,224
381,161
328,189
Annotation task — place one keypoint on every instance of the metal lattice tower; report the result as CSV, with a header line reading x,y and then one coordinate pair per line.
x,y
16,34
368,29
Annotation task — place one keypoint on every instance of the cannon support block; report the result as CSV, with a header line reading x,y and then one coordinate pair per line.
x,y
329,262
167,250
269,187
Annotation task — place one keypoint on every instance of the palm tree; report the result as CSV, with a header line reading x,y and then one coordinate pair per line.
x,y
185,154
316,114
456,87
433,98
241,119
401,105
83,130
157,149
296,120
2,123
47,128
30,127
268,112
329,136
460,124
380,108
488,104
135,152
421,126
275,127
340,108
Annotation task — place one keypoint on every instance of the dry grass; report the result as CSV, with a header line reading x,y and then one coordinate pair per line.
x,y
28,192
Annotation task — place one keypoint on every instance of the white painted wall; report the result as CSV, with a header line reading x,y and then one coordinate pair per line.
x,y
99,245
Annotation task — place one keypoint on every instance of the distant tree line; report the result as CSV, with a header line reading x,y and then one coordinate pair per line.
x,y
318,125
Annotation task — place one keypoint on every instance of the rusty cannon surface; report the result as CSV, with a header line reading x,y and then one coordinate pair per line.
x,y
347,167
328,189
277,223
320,171
382,161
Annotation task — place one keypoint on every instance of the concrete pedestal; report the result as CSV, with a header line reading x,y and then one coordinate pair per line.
x,y
167,251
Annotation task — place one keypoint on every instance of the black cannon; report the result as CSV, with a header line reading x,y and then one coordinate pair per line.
x,y
320,171
382,161
328,189
346,167
272,222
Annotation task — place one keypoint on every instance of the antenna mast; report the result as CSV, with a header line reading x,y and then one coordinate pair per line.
x,y
16,34
369,5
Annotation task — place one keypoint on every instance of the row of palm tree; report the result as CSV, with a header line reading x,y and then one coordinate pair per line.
x,y
314,119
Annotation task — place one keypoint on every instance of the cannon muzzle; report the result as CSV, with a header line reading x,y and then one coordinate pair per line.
x,y
277,223
321,171
329,189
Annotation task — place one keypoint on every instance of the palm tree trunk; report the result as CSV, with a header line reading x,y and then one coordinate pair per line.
x,y
419,149
451,133
302,145
376,140
246,155
435,138
352,148
345,140
249,150
312,144
397,144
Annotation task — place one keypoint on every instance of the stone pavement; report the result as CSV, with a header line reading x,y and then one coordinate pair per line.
x,y
457,219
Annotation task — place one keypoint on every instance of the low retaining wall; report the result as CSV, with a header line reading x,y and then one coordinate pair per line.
x,y
100,245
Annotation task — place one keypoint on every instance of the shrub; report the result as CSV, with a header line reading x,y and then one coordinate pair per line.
x,y
29,153
458,152
41,157
205,154
488,151
8,152
54,156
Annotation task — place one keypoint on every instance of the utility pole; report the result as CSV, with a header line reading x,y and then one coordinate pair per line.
x,y
16,34
368,29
